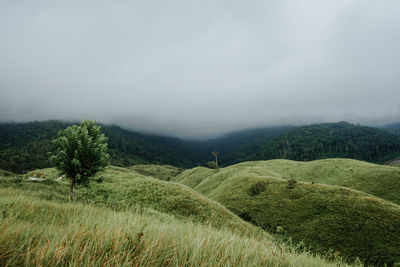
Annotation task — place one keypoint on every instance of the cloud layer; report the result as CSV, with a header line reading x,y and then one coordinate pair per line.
x,y
200,68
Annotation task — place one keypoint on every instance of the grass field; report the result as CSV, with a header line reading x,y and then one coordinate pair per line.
x,y
162,172
324,217
204,217
39,227
379,180
119,188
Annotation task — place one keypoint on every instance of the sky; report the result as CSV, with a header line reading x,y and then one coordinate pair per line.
x,y
196,69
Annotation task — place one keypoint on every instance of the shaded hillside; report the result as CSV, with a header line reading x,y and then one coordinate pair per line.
x,y
333,140
393,127
353,223
25,146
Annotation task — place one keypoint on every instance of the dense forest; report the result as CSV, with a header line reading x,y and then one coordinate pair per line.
x,y
333,140
26,146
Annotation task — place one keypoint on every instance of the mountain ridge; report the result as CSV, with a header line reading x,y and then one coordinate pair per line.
x,y
26,146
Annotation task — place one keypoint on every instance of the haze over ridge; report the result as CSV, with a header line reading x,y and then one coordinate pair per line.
x,y
200,69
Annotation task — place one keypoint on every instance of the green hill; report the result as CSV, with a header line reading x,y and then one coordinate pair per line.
x,y
44,233
379,180
162,172
120,188
353,223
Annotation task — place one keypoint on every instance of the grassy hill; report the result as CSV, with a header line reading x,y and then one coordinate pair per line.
x,y
125,219
119,188
381,181
162,172
324,217
63,234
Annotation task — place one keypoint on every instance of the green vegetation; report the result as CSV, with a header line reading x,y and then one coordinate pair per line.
x,y
60,234
162,172
4,173
165,215
80,153
381,181
333,140
326,218
25,146
119,188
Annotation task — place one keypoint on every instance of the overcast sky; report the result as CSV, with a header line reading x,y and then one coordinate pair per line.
x,y
200,68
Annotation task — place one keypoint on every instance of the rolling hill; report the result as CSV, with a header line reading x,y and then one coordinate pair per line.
x,y
124,218
324,217
119,188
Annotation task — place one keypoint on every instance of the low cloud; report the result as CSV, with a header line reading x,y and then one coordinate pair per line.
x,y
200,69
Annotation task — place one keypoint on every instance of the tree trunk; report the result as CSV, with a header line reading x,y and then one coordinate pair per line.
x,y
72,189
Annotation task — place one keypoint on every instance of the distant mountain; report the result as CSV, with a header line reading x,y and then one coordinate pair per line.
x,y
332,140
26,146
393,127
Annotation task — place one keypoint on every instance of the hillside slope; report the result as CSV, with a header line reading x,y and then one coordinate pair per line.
x,y
72,234
162,172
120,188
353,223
378,180
25,146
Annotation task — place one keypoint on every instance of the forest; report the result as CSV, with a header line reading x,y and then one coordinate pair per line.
x,y
27,146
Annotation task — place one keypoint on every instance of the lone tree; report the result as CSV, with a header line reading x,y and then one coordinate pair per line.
x,y
80,152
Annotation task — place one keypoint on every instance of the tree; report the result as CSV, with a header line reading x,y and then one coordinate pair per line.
x,y
80,152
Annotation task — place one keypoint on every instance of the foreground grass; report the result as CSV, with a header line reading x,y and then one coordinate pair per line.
x,y
120,188
326,218
36,232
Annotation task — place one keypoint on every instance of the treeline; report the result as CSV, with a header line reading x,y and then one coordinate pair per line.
x,y
333,140
26,146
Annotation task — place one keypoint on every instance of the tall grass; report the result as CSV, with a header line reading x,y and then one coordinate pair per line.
x,y
324,217
41,233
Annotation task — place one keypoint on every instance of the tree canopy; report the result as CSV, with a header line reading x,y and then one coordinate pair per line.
x,y
81,152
